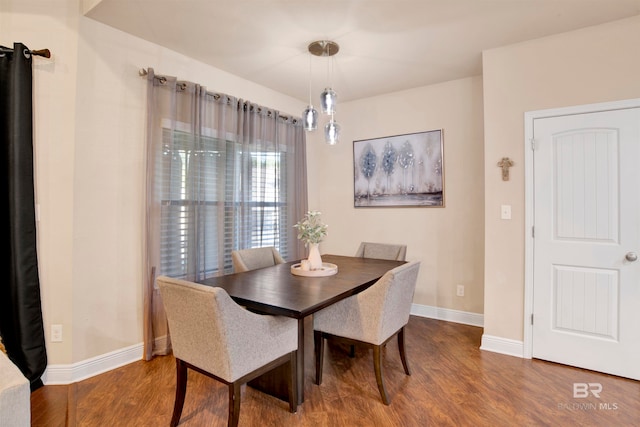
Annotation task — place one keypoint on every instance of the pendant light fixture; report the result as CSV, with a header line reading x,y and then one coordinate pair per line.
x,y
332,132
328,97
310,118
310,114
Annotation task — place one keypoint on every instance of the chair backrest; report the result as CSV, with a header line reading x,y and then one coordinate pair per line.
x,y
211,331
382,251
387,303
253,258
199,320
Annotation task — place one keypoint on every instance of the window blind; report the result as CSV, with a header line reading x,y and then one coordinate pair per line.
x,y
217,198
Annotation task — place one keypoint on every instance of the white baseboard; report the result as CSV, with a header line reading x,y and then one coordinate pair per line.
x,y
67,374
502,345
456,316
489,343
74,372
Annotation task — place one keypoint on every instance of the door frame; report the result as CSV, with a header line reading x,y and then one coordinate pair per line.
x,y
529,220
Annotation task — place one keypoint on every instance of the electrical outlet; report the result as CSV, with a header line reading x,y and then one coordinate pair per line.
x,y
460,290
56,333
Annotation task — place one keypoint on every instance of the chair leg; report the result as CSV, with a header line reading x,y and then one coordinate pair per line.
x,y
234,404
292,383
403,351
181,390
318,341
377,366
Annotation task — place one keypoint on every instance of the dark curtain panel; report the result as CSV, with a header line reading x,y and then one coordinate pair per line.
x,y
20,308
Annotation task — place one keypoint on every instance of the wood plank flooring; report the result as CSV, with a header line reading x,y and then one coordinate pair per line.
x,y
453,383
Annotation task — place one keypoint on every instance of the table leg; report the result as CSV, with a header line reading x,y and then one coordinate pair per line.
x,y
274,382
300,367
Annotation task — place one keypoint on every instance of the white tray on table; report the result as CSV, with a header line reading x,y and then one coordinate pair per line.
x,y
327,269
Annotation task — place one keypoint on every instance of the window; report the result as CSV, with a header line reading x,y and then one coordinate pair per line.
x,y
216,198
222,173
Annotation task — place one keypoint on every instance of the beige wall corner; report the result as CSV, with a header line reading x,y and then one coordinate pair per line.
x,y
449,240
595,64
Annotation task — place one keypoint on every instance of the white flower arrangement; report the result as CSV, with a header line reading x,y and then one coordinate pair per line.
x,y
310,229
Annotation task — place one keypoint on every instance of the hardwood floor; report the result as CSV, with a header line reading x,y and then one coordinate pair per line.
x,y
453,383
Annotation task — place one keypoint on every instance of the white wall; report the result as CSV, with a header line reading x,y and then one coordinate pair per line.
x,y
89,142
449,241
89,147
89,138
596,64
53,26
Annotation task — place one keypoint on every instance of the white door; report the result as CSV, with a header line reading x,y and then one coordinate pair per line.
x,y
586,276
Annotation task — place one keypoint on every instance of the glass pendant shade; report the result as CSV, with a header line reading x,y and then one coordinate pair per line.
x,y
310,117
328,99
332,132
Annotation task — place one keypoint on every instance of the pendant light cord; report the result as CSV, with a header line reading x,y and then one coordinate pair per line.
x,y
331,75
310,68
329,72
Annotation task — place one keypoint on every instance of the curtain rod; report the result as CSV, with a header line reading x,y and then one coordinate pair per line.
x,y
39,52
143,72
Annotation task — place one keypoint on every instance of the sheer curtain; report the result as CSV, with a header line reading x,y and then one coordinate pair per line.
x,y
222,174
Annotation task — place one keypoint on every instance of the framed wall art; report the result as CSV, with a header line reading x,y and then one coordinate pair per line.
x,y
401,170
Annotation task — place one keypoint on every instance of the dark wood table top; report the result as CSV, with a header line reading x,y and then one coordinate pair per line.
x,y
275,290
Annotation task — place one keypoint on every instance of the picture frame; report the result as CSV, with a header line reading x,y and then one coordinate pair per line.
x,y
399,171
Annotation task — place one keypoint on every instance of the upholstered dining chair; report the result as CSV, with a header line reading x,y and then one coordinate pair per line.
x,y
213,335
252,258
370,318
382,251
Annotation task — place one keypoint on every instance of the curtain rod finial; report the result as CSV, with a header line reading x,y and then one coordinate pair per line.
x,y
46,53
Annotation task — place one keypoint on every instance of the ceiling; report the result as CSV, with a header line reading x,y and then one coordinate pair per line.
x,y
385,45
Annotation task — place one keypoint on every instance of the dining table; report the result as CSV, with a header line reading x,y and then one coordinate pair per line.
x,y
276,290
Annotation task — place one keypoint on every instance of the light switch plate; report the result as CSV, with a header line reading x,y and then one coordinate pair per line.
x,y
505,211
